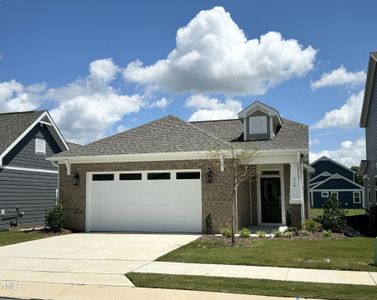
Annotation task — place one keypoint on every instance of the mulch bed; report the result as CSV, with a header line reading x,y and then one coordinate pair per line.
x,y
219,241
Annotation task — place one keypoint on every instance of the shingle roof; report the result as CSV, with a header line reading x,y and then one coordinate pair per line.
x,y
169,134
73,145
12,125
292,135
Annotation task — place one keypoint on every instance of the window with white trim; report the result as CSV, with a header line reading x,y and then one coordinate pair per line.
x,y
335,193
258,125
356,198
325,194
40,146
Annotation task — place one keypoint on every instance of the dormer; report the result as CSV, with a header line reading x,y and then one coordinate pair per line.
x,y
261,122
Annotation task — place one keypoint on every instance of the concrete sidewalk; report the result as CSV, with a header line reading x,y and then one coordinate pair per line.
x,y
33,290
254,272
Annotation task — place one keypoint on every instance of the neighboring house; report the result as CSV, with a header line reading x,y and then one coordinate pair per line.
x,y
331,177
27,180
157,177
368,120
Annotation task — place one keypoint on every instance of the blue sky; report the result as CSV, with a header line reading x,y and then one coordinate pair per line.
x,y
77,59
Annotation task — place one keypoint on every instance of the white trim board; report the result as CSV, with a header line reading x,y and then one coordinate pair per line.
x,y
336,176
29,169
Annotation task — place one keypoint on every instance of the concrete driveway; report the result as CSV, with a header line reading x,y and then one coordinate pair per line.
x,y
85,258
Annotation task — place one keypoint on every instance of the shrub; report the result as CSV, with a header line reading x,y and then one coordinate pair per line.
x,y
288,234
54,218
293,230
334,216
277,233
245,233
261,234
311,225
226,232
326,233
304,232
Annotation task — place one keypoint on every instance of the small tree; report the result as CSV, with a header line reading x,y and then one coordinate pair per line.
x,y
334,216
236,164
54,218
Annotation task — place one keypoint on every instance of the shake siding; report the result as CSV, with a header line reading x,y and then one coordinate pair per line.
x,y
371,143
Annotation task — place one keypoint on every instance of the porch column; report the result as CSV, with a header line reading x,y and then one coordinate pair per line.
x,y
296,200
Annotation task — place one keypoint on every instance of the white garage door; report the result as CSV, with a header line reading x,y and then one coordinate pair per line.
x,y
153,201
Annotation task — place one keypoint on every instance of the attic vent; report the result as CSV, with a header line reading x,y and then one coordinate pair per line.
x,y
40,146
258,125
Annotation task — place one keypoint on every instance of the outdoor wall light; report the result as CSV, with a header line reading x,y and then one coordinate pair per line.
x,y
76,179
209,175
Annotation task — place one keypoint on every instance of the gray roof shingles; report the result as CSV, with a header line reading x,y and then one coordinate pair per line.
x,y
292,135
171,134
12,125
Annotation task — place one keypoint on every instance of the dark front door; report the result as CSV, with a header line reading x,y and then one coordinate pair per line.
x,y
271,200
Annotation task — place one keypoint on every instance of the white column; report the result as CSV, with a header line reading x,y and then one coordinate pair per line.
x,y
296,184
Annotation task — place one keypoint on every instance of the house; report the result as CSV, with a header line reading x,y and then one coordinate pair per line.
x,y
157,177
368,120
27,180
331,177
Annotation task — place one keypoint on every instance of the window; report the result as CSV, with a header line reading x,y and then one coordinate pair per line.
x,y
325,194
40,146
188,175
335,193
103,177
130,176
258,125
356,198
158,176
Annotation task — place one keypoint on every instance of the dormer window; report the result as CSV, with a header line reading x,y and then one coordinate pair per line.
x,y
261,122
258,125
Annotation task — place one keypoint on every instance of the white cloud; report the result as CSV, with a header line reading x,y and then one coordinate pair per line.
x,y
88,108
213,54
162,103
14,96
349,153
347,116
313,142
338,77
212,108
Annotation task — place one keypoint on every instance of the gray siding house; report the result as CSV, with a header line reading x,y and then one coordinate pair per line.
x,y
27,180
368,120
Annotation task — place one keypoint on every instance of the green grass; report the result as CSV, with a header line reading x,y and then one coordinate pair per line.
x,y
315,212
343,254
254,286
14,237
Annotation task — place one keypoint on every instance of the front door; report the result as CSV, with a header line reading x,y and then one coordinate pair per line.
x,y
271,200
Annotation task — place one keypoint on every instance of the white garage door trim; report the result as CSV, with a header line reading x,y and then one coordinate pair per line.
x,y
89,181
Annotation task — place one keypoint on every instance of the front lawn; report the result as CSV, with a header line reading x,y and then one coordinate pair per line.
x,y
14,237
337,254
254,286
315,212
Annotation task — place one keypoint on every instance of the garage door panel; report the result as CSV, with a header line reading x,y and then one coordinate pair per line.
x,y
145,205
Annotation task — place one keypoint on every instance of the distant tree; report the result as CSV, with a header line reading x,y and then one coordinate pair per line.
x,y
359,179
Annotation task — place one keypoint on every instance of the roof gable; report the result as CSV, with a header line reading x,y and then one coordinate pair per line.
x,y
337,182
15,126
371,76
259,106
169,134
326,164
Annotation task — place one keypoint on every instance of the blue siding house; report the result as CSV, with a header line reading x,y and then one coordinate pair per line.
x,y
28,182
331,177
